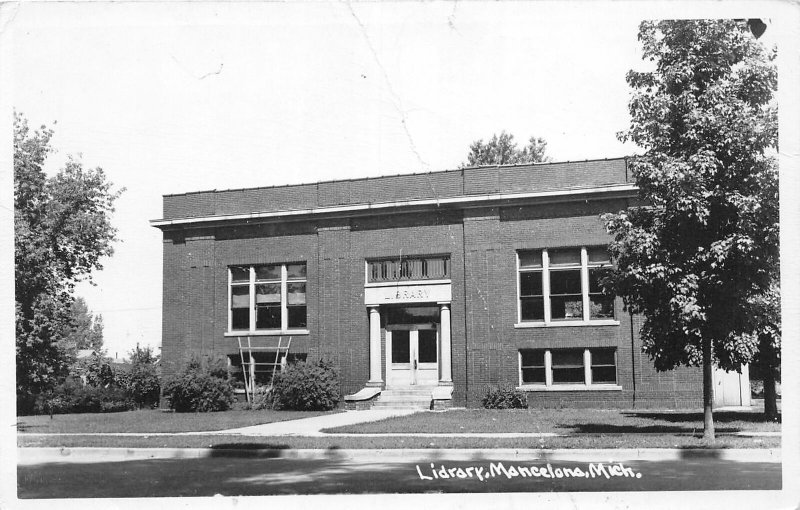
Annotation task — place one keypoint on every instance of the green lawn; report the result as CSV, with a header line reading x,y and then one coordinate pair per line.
x,y
225,441
564,421
153,420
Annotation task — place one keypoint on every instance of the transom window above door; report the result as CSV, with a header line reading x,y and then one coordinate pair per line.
x,y
267,298
563,286
402,268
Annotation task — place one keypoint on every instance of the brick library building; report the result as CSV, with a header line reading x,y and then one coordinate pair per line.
x,y
421,289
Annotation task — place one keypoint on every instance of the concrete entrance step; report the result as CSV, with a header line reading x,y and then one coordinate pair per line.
x,y
405,398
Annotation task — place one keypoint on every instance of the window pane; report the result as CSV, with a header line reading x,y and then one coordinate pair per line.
x,y
598,255
400,347
566,307
412,314
268,317
240,296
240,318
530,284
568,376
427,345
297,316
565,282
530,259
564,257
601,307
296,293
567,357
271,272
533,375
604,375
595,275
268,293
532,358
532,309
296,271
602,356
240,274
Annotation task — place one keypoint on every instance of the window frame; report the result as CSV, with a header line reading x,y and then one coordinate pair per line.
x,y
545,270
587,385
252,283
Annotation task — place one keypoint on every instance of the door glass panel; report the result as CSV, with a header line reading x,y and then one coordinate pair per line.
x,y
401,352
427,345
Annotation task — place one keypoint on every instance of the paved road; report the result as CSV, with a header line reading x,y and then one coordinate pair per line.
x,y
231,476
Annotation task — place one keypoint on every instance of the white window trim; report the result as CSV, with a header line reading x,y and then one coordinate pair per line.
x,y
587,375
284,283
548,322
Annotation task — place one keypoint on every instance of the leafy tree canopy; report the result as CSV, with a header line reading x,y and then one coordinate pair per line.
x,y
699,257
62,230
503,150
85,330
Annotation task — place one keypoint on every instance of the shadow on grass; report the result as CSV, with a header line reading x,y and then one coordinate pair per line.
x,y
26,427
719,416
604,428
667,422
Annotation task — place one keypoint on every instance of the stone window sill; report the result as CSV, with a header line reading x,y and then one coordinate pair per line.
x,y
564,324
269,333
570,387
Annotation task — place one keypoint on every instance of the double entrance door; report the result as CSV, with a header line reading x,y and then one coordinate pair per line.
x,y
412,356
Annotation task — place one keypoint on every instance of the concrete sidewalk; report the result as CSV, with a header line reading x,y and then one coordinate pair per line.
x,y
312,426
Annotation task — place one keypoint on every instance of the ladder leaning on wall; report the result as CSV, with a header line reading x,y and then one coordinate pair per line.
x,y
250,367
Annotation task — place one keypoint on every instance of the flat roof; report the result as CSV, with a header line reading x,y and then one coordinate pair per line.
x,y
356,179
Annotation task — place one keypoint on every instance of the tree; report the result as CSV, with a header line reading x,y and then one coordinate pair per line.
x,y
502,150
85,330
62,230
698,256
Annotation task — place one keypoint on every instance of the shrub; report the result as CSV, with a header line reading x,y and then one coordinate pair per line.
x,y
140,382
262,399
306,386
140,379
505,398
73,397
201,386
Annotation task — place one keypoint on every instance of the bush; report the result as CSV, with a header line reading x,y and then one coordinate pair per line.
x,y
201,386
141,383
306,386
505,398
262,399
73,397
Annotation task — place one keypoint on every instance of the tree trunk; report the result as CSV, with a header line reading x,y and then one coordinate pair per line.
x,y
770,395
708,393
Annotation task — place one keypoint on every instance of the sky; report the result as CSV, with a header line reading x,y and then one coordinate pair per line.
x,y
178,97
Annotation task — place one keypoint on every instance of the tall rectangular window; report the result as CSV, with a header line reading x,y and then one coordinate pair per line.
x,y
269,297
530,286
563,285
601,306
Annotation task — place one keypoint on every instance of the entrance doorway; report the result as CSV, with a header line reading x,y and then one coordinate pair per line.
x,y
412,355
